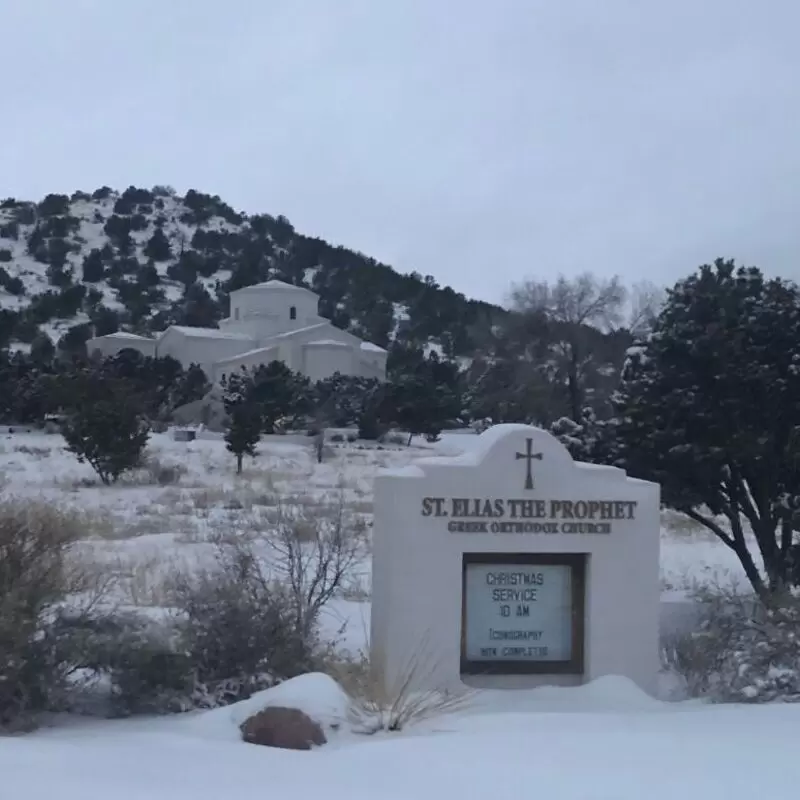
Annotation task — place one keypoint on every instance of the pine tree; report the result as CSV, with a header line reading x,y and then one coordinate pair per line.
x,y
244,416
243,433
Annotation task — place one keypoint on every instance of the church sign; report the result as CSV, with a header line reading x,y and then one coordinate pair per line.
x,y
527,515
513,566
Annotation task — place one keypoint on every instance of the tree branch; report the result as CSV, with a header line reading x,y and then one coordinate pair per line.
x,y
711,525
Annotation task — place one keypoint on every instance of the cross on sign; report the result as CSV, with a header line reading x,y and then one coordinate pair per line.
x,y
529,456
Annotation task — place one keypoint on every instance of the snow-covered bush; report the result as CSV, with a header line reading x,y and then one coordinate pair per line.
x,y
481,425
742,650
129,664
237,626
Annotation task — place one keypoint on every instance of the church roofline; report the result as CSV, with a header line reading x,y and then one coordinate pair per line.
x,y
275,285
206,333
326,343
125,335
289,334
239,356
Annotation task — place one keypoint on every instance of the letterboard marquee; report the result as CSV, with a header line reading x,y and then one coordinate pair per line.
x,y
522,613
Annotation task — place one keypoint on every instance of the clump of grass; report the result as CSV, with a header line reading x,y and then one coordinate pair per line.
x,y
154,472
142,581
377,705
678,524
32,450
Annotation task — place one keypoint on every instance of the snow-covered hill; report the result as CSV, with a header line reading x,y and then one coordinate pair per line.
x,y
142,258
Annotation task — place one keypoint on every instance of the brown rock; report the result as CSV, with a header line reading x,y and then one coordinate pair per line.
x,y
288,728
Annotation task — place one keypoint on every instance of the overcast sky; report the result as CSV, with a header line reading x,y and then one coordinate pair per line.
x,y
480,142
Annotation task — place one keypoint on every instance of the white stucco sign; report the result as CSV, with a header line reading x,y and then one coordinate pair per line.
x,y
514,566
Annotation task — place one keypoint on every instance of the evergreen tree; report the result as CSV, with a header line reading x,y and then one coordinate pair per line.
x,y
344,398
8,322
158,247
104,426
244,416
424,400
280,392
42,349
105,321
147,275
93,267
198,308
73,342
192,385
710,408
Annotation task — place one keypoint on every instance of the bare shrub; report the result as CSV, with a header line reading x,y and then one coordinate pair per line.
x,y
312,554
39,573
742,651
237,626
356,588
142,581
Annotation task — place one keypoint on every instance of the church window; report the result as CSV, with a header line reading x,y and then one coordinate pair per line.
x,y
292,313
236,312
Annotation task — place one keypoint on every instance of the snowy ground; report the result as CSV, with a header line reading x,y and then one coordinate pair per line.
x,y
140,525
144,531
605,740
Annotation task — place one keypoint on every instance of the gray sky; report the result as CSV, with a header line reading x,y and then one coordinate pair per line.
x,y
480,142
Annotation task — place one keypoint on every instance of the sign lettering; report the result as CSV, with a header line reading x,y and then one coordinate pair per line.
x,y
518,612
510,515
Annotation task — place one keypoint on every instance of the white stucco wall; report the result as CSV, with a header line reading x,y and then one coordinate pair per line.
x,y
371,363
113,343
266,309
249,360
417,561
323,359
197,349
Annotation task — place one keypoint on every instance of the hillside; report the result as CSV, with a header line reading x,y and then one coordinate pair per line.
x,y
143,259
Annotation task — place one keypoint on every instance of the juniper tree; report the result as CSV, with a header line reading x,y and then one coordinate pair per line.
x,y
710,408
104,424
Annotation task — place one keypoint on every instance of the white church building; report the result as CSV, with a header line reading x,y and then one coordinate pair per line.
x,y
271,321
